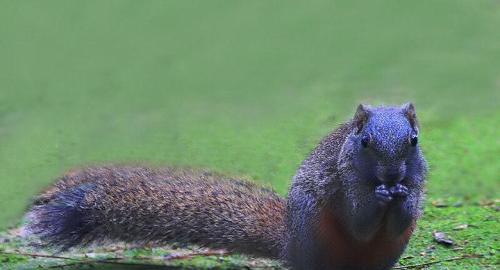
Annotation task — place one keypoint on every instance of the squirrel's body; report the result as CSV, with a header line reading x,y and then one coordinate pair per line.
x,y
353,203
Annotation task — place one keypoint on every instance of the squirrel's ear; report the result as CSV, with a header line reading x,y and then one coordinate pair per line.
x,y
361,117
409,112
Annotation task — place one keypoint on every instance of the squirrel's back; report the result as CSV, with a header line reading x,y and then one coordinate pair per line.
x,y
159,205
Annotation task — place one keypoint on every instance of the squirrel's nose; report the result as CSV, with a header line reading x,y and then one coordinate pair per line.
x,y
391,175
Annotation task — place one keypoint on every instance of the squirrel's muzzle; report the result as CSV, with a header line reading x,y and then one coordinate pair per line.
x,y
391,174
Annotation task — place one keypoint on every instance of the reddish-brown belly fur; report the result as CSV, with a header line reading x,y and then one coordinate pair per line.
x,y
343,250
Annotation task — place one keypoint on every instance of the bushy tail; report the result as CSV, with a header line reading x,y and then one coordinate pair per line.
x,y
64,221
159,206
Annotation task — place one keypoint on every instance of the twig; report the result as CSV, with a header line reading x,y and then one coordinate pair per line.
x,y
113,261
39,255
191,255
65,265
473,256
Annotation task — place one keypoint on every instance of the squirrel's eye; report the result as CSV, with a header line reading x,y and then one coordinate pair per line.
x,y
414,140
365,140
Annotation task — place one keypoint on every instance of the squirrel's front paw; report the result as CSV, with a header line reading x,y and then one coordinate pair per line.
x,y
399,191
383,194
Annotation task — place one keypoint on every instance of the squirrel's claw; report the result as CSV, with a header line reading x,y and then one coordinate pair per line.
x,y
383,194
399,191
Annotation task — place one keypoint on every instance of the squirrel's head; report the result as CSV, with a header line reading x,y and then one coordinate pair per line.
x,y
385,141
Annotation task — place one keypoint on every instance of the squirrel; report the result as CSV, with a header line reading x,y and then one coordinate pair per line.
x,y
353,203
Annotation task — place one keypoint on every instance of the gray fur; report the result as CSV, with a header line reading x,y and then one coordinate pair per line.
x,y
341,175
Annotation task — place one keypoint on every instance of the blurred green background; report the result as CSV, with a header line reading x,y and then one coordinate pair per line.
x,y
243,87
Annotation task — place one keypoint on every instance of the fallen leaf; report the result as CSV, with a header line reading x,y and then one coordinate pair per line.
x,y
461,227
458,204
16,231
443,239
439,203
489,203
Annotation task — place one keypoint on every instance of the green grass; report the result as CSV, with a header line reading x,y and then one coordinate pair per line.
x,y
248,88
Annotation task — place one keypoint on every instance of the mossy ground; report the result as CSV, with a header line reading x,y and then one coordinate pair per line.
x,y
473,228
248,88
